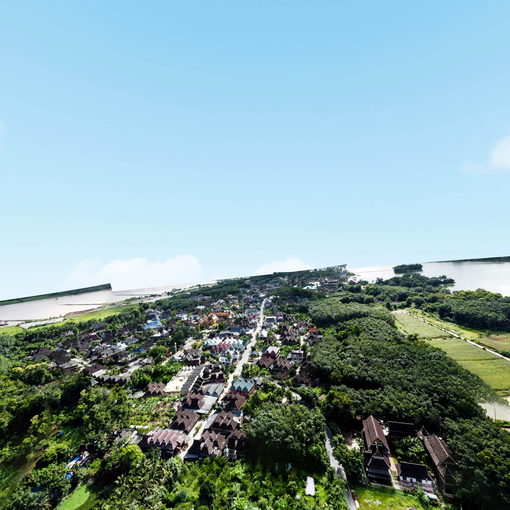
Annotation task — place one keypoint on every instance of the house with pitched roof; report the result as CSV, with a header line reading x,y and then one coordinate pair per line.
x,y
170,442
234,402
377,459
243,386
266,361
184,420
193,401
281,368
236,445
225,422
399,429
155,389
414,476
211,444
444,463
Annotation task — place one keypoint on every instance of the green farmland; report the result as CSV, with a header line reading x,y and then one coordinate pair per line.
x,y
407,322
499,342
492,369
411,325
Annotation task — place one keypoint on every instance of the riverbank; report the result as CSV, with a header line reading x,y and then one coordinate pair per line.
x,y
56,309
489,274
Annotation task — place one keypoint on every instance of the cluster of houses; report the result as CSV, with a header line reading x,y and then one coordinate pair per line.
x,y
208,415
283,357
94,351
228,349
380,467
111,355
221,433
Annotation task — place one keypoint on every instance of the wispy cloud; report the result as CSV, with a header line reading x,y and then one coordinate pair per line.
x,y
290,264
498,160
137,272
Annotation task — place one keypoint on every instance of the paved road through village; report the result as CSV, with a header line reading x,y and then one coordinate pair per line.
x,y
197,431
339,470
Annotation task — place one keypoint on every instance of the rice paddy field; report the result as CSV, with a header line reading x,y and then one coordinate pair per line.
x,y
492,369
412,325
498,341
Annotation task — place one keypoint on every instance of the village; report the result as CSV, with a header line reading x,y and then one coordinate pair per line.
x,y
236,344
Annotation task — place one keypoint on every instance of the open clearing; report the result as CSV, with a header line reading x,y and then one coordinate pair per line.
x,y
492,369
375,498
10,330
81,499
414,326
99,314
87,316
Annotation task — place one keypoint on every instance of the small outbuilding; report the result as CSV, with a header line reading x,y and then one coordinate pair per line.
x,y
310,486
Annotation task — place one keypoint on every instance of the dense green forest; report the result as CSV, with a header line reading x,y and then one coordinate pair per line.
x,y
367,367
476,309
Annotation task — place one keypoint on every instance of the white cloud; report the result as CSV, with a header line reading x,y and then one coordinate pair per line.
x,y
137,273
290,264
500,155
498,160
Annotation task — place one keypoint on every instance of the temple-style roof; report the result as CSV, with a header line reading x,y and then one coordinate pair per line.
x,y
373,432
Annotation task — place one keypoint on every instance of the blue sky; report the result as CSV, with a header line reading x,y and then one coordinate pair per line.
x,y
177,141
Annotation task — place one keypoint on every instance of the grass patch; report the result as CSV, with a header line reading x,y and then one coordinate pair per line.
x,y
99,314
492,369
412,325
81,498
376,498
10,330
